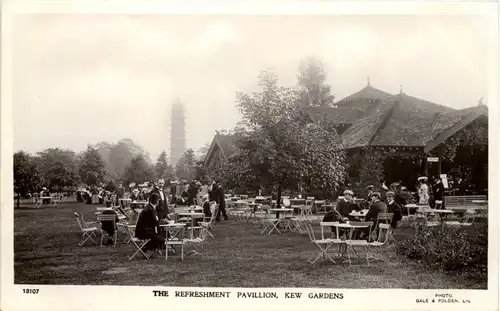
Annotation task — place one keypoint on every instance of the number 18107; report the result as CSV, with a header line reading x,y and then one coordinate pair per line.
x,y
30,290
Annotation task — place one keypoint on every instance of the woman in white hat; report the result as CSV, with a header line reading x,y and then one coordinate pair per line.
x,y
423,191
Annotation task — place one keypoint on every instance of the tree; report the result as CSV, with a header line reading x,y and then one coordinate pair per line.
x,y
26,177
92,167
138,170
311,80
278,146
162,168
58,168
122,153
202,152
185,168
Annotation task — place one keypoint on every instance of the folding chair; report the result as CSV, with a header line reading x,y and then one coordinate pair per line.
x,y
323,245
87,231
384,234
467,220
111,218
353,243
382,218
270,225
138,246
175,238
208,223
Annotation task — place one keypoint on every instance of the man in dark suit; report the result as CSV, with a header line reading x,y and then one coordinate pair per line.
x,y
148,224
346,205
461,186
376,207
438,190
219,197
162,208
394,208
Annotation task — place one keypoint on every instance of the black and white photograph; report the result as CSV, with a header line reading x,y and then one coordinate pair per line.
x,y
253,151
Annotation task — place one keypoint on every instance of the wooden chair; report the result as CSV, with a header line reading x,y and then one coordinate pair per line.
x,y
384,235
322,245
88,231
111,218
208,222
352,242
175,238
139,245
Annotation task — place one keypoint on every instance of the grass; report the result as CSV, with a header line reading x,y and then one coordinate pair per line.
x,y
46,252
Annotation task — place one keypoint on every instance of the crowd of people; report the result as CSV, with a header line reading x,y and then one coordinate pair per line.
x,y
160,201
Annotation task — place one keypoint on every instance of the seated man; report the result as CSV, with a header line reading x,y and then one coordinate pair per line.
x,y
376,207
394,208
148,224
346,205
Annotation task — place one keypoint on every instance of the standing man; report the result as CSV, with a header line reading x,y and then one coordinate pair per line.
x,y
220,199
438,191
394,208
162,207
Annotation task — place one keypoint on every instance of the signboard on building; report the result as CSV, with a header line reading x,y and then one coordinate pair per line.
x,y
432,159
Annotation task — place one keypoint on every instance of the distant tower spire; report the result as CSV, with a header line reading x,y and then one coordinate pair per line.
x,y
368,81
400,89
177,132
481,103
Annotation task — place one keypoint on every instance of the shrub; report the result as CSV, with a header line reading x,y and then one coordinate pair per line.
x,y
449,248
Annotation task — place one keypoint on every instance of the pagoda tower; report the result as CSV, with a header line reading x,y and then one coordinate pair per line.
x,y
177,132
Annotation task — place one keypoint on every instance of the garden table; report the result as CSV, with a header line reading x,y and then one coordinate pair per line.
x,y
359,214
350,242
442,212
193,216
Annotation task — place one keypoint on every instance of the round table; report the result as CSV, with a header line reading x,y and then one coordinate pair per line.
x,y
193,216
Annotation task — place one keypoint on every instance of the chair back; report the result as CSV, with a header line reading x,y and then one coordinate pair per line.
x,y
108,217
384,217
79,221
243,196
175,234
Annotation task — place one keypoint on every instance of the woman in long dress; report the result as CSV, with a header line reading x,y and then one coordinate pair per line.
x,y
423,193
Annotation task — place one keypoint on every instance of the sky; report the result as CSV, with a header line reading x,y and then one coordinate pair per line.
x,y
80,79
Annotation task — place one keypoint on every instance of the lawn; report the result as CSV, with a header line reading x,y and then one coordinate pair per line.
x,y
46,252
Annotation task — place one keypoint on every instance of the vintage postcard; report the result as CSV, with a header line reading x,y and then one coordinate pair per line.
x,y
249,155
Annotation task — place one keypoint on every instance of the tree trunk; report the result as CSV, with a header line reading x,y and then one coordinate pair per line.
x,y
278,197
18,199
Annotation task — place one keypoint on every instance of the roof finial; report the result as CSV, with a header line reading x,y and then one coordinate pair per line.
x,y
400,89
368,81
481,101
